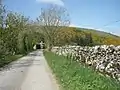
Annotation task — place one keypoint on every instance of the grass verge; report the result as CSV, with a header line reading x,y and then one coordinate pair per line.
x,y
9,59
73,76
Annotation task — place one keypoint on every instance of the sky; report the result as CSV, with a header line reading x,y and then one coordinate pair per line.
x,y
94,14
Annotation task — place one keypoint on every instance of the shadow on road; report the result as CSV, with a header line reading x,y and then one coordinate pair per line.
x,y
26,61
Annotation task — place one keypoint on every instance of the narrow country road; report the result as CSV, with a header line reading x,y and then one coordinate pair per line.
x,y
28,73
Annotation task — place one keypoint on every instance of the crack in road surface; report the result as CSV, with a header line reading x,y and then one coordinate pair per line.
x,y
28,73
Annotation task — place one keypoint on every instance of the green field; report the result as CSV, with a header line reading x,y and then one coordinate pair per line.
x,y
73,76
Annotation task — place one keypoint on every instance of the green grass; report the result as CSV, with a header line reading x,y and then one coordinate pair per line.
x,y
9,59
73,76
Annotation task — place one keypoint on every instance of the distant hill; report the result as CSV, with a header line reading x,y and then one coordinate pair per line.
x,y
100,33
99,37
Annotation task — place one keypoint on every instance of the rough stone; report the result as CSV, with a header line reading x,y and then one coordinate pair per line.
x,y
104,58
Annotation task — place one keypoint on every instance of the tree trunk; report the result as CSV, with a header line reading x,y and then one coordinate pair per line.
x,y
49,47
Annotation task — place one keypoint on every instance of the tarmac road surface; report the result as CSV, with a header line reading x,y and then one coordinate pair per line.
x,y
28,73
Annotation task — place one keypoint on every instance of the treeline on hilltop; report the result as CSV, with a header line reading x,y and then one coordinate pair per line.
x,y
85,37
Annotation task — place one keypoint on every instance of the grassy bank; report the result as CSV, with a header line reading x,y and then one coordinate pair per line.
x,y
73,76
9,59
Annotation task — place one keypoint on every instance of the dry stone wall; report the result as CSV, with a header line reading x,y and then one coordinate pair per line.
x,y
105,59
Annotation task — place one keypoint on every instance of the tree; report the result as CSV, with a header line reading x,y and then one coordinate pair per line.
x,y
2,16
88,39
3,49
15,24
51,20
65,36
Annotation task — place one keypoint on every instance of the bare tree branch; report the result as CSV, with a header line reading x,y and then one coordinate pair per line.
x,y
51,20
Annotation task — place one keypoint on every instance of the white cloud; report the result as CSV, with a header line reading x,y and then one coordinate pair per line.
x,y
56,2
73,25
